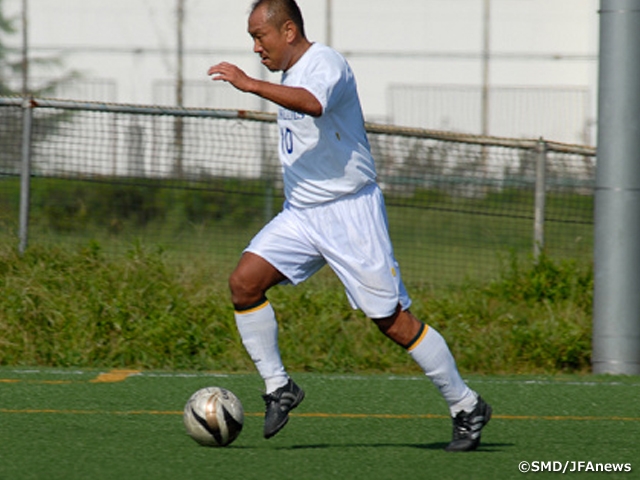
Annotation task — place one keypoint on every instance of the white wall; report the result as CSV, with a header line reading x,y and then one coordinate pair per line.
x,y
428,42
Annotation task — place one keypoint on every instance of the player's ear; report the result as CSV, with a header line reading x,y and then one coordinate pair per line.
x,y
290,30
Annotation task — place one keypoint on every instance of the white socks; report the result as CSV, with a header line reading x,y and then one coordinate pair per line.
x,y
259,331
432,354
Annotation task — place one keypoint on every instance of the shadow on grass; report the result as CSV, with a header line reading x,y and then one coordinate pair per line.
x,y
483,448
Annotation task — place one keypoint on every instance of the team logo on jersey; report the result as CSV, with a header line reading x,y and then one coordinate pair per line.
x,y
284,114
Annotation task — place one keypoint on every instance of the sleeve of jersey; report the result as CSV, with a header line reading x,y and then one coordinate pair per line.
x,y
324,80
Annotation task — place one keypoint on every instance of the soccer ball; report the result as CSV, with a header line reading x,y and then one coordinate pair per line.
x,y
213,417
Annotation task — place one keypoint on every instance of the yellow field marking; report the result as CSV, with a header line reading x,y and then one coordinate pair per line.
x,y
114,376
88,412
388,416
435,416
45,382
428,416
566,417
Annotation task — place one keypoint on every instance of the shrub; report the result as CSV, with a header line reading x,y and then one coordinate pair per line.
x,y
81,307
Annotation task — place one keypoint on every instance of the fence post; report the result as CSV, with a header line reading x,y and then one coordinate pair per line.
x,y
25,172
540,198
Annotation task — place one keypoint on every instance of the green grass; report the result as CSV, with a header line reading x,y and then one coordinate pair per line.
x,y
83,308
446,248
62,425
440,238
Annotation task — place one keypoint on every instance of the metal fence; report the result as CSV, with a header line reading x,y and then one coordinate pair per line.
x,y
560,113
200,183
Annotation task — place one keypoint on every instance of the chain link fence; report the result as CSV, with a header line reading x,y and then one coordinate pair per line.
x,y
559,113
199,184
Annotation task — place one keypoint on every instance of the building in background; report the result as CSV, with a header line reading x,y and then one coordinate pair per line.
x,y
418,62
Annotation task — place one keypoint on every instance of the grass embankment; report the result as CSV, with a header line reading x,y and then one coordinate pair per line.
x,y
80,307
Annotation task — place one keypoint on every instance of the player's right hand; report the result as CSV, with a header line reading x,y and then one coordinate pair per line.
x,y
227,72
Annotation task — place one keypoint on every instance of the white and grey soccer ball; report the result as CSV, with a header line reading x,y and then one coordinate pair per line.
x,y
213,417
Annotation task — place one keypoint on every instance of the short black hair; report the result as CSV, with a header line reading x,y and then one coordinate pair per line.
x,y
279,11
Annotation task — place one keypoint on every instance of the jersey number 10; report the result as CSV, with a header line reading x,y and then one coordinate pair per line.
x,y
286,137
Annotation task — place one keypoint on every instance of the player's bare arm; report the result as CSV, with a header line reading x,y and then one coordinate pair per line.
x,y
292,98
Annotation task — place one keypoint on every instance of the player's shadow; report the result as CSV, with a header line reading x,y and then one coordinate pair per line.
x,y
485,447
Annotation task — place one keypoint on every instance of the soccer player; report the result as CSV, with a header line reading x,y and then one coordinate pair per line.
x,y
334,214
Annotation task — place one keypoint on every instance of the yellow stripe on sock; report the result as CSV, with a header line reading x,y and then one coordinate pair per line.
x,y
417,341
253,309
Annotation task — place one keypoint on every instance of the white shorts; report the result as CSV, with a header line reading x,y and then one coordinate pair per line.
x,y
351,235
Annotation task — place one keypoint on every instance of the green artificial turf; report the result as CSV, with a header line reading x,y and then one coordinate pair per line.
x,y
67,424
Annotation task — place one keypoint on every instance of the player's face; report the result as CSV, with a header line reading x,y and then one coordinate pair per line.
x,y
269,41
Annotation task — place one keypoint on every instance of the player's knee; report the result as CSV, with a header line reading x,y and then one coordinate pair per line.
x,y
402,327
386,325
242,293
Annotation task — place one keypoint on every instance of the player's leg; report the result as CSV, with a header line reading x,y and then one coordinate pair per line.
x,y
357,246
431,353
275,255
255,318
256,322
470,413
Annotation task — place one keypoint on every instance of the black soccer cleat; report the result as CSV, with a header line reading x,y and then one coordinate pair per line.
x,y
278,406
467,427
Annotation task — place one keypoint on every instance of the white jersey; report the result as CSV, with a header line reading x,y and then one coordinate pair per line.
x,y
326,157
